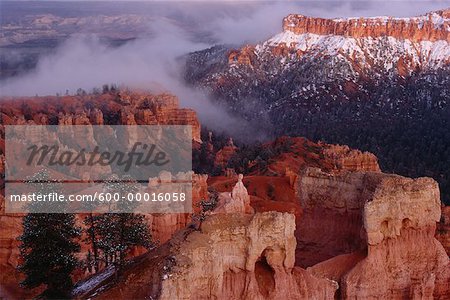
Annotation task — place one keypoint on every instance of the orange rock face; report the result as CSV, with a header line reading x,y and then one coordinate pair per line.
x,y
298,153
430,27
163,226
233,256
259,265
443,229
350,159
224,154
125,107
244,56
389,219
377,229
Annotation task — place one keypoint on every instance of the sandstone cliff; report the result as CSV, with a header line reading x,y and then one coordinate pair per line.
x,y
343,157
121,107
443,229
233,256
430,27
407,44
361,235
243,257
384,246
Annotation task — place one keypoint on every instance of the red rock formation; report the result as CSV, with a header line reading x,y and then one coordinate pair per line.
x,y
344,158
224,154
96,117
361,234
443,229
123,107
238,201
163,226
390,218
243,56
430,27
87,110
295,154
234,256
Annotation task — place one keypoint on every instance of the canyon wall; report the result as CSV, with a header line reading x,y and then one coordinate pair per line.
x,y
443,229
123,107
408,44
384,245
239,256
430,27
370,236
328,200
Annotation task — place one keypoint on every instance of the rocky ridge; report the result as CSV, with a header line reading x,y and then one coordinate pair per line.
x,y
253,255
328,80
430,27
121,107
382,216
408,44
268,243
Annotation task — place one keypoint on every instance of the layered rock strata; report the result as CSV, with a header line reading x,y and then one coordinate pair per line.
x,y
384,246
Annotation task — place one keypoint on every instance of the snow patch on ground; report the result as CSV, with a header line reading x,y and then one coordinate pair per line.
x,y
94,281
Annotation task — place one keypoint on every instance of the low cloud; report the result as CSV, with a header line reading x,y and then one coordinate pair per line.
x,y
260,22
151,64
83,61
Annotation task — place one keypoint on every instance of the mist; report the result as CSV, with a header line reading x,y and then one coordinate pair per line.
x,y
151,64
151,61
261,22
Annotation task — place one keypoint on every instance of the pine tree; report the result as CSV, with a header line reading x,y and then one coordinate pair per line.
x,y
91,221
120,232
48,244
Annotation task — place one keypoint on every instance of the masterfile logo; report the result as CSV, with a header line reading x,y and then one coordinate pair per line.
x,y
98,168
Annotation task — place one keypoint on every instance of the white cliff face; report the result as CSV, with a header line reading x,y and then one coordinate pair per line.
x,y
401,204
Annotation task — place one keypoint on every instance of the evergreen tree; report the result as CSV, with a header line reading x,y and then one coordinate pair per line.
x,y
91,221
120,232
48,244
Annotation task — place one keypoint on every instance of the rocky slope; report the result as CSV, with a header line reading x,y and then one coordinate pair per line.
x,y
343,81
114,108
399,217
312,220
443,229
383,247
